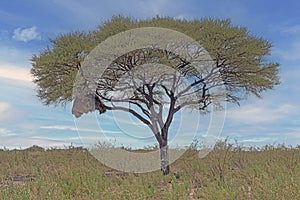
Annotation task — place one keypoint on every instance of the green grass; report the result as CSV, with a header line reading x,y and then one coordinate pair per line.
x,y
227,172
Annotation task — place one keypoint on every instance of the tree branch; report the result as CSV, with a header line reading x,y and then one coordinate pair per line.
x,y
133,112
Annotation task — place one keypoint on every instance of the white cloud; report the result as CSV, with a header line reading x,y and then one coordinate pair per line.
x,y
15,56
154,7
294,133
73,128
291,29
11,71
26,34
5,111
255,140
3,107
5,132
9,115
259,113
21,142
292,54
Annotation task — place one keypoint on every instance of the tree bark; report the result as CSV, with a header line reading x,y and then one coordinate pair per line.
x,y
164,157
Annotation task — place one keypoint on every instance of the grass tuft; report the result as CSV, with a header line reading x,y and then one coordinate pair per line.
x,y
227,172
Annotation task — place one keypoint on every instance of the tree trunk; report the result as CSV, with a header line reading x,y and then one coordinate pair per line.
x,y
164,157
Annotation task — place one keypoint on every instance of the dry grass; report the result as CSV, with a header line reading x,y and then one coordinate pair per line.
x,y
227,172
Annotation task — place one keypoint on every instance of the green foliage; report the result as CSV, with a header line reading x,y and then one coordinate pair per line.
x,y
56,67
240,57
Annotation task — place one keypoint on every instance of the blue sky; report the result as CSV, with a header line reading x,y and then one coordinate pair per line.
x,y
25,29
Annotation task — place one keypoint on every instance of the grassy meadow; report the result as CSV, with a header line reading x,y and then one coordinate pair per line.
x,y
227,172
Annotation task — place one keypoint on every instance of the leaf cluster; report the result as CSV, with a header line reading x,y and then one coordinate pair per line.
x,y
239,57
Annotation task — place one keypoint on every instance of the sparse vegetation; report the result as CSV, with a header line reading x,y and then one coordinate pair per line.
x,y
227,172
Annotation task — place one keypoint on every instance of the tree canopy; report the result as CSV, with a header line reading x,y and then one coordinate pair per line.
x,y
238,58
241,57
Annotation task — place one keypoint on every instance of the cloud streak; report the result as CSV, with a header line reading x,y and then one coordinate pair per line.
x,y
295,29
6,112
154,7
21,142
72,128
14,72
292,54
259,113
6,132
3,107
26,34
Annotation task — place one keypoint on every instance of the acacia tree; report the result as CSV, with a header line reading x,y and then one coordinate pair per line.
x,y
154,95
